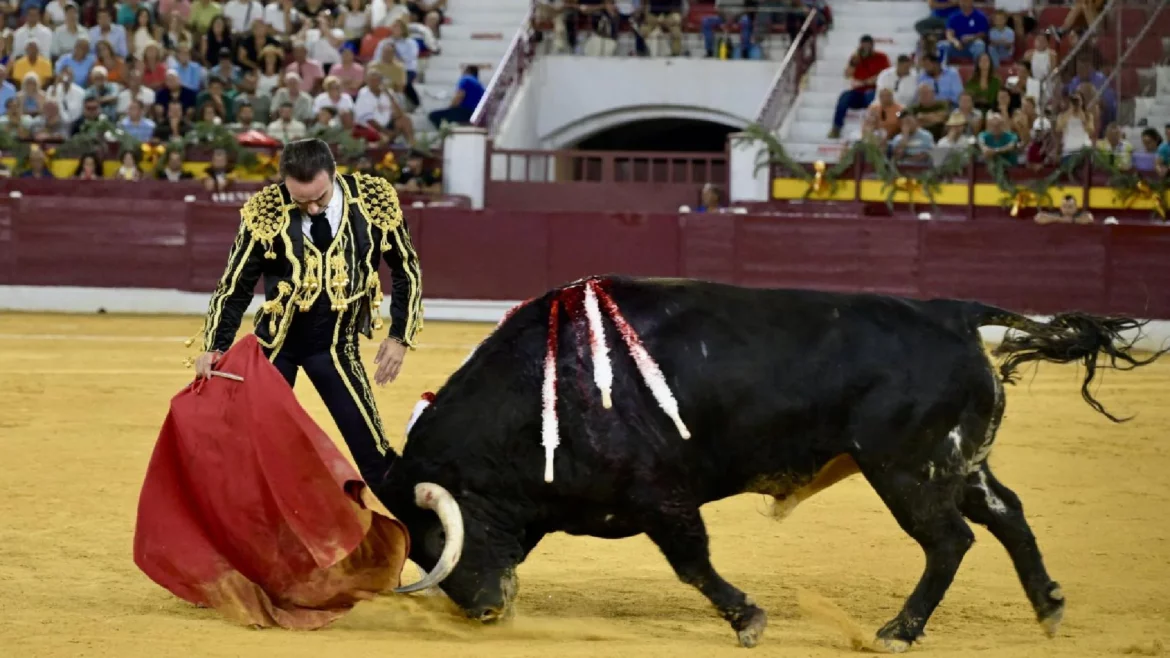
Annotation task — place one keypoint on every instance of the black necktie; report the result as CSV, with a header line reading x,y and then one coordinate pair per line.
x,y
321,233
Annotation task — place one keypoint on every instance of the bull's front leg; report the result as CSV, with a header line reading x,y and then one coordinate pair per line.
x,y
682,538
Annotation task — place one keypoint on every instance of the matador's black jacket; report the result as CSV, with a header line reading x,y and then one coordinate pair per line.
x,y
271,242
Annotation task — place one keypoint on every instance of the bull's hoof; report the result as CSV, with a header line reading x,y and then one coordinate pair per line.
x,y
1053,613
749,636
890,645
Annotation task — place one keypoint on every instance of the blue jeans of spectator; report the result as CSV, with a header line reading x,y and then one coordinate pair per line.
x,y
450,115
972,51
712,23
999,53
851,99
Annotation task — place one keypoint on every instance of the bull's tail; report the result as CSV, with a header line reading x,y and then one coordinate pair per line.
x,y
1066,338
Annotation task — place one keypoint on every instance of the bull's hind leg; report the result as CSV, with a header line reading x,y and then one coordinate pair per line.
x,y
927,511
987,502
682,538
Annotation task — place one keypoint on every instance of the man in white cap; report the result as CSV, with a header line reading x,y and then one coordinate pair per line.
x,y
33,30
292,93
104,91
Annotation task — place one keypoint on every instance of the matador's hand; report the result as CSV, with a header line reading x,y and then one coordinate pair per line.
x,y
388,360
205,362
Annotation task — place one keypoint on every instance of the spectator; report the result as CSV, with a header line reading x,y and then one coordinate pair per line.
x,y
115,66
416,178
177,35
997,143
955,139
468,93
1087,75
126,12
936,23
1116,148
33,62
930,112
104,92
944,79
67,95
391,68
883,112
291,93
216,39
218,175
311,9
327,49
33,30
154,70
245,120
322,121
309,71
606,22
216,98
88,168
1041,58
81,60
282,16
863,69
1162,155
966,32
1069,214
1003,105
31,99
376,108
134,91
271,63
91,115
202,13
912,145
66,35
38,166
355,21
663,16
407,52
351,74
1021,14
1040,151
984,84
253,43
142,33
243,14
7,89
728,13
173,90
173,170
333,96
55,12
902,79
15,121
973,116
53,126
247,93
135,124
286,128
1017,83
1082,15
128,170
174,126
1075,126
225,70
107,30
1024,117
1001,39
190,73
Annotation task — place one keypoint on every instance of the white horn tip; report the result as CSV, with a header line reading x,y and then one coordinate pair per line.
x,y
424,494
606,400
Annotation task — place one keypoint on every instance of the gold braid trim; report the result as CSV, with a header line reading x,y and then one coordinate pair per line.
x,y
379,203
266,216
275,308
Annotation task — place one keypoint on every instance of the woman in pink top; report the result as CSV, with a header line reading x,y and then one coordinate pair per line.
x,y
154,71
351,74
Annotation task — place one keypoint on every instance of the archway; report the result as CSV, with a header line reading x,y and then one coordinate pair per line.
x,y
663,134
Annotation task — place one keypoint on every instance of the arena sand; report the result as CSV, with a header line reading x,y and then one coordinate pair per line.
x,y
80,409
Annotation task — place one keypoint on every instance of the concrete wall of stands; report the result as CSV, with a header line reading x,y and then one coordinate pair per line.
x,y
119,242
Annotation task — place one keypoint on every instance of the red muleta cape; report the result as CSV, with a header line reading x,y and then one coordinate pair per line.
x,y
249,508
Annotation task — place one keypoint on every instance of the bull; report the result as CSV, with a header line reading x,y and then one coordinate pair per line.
x,y
725,390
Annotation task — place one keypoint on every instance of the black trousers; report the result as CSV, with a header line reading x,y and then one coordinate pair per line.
x,y
335,370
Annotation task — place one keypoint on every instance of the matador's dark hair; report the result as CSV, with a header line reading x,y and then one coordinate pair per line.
x,y
303,159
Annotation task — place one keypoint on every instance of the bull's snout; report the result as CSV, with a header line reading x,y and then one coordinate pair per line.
x,y
487,615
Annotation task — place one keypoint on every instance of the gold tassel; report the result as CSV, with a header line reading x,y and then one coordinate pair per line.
x,y
275,307
375,286
1023,198
1145,193
819,184
908,185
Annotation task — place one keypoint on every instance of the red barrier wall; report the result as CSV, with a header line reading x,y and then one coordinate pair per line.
x,y
497,255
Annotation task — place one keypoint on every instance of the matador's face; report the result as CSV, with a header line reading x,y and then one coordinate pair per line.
x,y
314,196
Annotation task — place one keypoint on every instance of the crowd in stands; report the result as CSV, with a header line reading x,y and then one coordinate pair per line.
x,y
1008,103
285,69
731,29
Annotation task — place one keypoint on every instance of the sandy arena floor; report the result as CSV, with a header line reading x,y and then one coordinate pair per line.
x,y
82,399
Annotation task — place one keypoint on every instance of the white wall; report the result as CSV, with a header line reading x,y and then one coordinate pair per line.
x,y
566,98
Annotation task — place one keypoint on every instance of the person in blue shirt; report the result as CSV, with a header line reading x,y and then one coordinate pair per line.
x,y
946,81
468,93
1001,39
936,23
7,89
967,31
998,143
1162,155
80,61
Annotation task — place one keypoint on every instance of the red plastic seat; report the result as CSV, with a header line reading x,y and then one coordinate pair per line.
x,y
1053,16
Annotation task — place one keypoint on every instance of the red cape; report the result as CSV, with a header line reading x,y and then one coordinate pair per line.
x,y
249,508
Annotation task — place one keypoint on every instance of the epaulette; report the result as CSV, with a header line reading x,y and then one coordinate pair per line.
x,y
379,202
266,216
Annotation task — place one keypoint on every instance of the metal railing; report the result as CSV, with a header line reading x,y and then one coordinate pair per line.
x,y
802,52
506,79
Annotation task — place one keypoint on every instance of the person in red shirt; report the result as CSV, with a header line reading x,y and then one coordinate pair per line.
x,y
862,72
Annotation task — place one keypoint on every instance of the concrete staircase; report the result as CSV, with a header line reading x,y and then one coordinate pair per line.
x,y
478,33
891,24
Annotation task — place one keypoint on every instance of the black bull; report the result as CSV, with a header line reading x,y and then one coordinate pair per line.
x,y
784,392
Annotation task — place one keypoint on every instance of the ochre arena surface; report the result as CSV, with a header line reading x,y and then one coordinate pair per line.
x,y
82,399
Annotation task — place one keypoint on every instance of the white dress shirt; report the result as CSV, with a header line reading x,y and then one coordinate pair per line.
x,y
242,14
332,213
39,33
905,88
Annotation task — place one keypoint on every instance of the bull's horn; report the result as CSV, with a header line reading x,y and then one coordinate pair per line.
x,y
428,495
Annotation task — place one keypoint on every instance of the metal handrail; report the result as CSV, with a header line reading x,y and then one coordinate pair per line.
x,y
765,116
487,113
